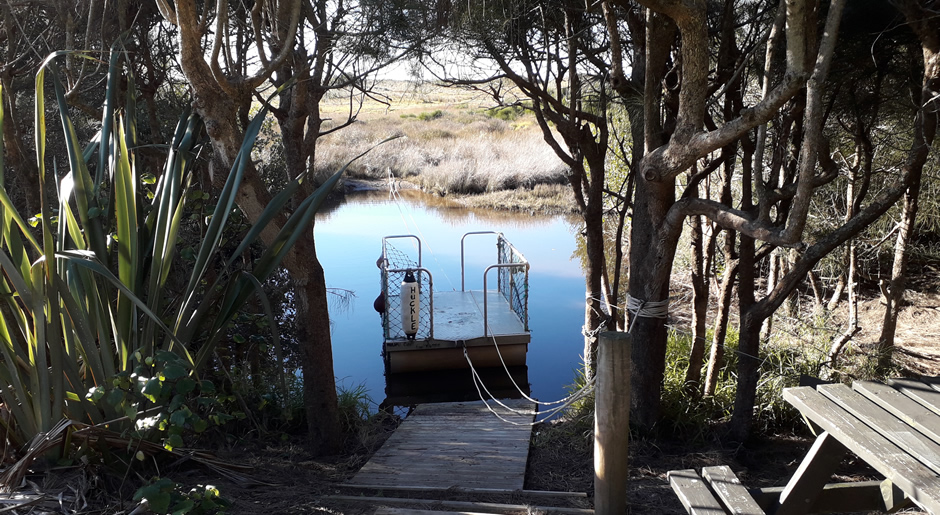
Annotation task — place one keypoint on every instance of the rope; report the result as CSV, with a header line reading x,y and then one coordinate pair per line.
x,y
645,308
395,194
565,403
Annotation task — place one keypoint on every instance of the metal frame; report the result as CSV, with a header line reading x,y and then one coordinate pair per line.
x,y
500,241
464,237
525,323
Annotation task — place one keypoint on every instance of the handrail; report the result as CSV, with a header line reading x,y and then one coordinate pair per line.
x,y
420,270
385,257
462,238
485,309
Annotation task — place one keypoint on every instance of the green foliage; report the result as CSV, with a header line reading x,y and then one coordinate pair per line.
x,y
164,399
432,115
164,496
507,113
695,416
364,428
582,408
86,330
355,404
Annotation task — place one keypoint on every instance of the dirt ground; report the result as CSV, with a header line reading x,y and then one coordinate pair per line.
x,y
561,457
299,483
284,478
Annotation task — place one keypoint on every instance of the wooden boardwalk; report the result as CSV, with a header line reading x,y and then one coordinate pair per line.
x,y
457,444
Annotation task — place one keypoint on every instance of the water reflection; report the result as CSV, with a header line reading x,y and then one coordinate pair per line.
x,y
349,237
409,388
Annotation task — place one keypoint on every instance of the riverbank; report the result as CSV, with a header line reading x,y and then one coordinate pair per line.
x,y
450,143
542,199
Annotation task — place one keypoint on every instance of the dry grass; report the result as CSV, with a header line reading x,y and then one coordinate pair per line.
x,y
449,145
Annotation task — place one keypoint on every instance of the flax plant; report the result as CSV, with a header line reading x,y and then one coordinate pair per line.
x,y
81,303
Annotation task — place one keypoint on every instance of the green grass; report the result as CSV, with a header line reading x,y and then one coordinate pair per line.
x,y
432,115
507,114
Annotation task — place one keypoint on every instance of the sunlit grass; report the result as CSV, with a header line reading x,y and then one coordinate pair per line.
x,y
453,144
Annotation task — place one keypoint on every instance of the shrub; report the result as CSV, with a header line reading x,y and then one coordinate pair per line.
x,y
433,115
507,113
86,330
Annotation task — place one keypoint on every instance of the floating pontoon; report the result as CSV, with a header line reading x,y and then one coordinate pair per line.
x,y
429,330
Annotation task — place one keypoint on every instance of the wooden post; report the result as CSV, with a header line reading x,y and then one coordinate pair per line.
x,y
611,423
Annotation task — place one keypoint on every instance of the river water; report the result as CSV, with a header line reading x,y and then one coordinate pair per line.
x,y
349,240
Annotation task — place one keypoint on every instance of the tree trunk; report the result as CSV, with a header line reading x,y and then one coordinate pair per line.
x,y
700,293
25,179
748,345
895,287
316,351
925,24
650,268
773,272
717,354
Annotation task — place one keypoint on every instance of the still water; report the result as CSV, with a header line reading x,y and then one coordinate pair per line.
x,y
349,240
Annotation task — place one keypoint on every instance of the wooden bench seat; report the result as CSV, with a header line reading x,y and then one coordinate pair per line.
x,y
716,491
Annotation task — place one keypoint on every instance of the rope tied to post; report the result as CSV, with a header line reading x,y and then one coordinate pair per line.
x,y
645,308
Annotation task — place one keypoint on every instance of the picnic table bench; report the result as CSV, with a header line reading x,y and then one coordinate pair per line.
x,y
892,426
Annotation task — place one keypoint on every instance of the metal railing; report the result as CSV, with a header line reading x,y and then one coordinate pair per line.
x,y
512,283
395,264
509,263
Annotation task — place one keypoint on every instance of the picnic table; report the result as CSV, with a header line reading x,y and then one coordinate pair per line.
x,y
892,426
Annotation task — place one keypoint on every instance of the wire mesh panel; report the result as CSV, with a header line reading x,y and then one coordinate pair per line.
x,y
397,263
514,281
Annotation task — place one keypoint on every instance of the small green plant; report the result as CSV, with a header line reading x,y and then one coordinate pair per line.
x,y
431,115
507,113
165,496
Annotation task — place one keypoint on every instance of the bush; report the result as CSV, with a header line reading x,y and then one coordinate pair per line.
x,y
433,115
507,114
93,335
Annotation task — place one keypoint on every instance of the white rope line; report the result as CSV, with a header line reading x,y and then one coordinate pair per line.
x,y
396,195
647,309
518,389
506,367
478,383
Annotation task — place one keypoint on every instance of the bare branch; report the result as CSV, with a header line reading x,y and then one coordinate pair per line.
x,y
287,46
169,14
796,220
221,22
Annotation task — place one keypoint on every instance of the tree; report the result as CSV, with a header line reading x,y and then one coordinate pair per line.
x,y
658,216
924,23
552,53
307,48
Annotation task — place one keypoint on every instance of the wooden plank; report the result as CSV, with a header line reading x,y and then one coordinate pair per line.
x,y
918,481
431,482
811,476
920,392
384,510
921,447
481,476
454,444
494,491
835,497
694,493
730,491
902,407
495,507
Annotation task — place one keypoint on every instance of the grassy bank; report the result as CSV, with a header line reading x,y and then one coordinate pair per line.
x,y
454,143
